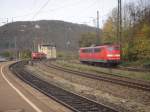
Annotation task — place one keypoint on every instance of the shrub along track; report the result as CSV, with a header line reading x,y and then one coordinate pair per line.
x,y
136,84
71,100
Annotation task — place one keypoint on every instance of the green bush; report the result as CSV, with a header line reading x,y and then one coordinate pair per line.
x,y
6,54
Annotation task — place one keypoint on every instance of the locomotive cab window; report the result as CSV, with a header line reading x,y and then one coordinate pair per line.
x,y
97,50
110,48
90,50
85,50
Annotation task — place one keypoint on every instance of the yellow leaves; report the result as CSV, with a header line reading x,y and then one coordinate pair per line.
x,y
144,31
108,26
109,31
142,46
87,39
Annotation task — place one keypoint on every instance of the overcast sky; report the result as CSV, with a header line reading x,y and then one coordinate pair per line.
x,y
76,11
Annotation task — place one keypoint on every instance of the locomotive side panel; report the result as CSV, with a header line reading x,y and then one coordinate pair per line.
x,y
100,54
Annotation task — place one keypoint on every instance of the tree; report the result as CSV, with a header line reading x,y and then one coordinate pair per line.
x,y
88,39
25,54
135,30
110,28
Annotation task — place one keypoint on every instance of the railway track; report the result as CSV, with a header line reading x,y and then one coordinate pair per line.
x,y
73,101
137,84
133,69
119,67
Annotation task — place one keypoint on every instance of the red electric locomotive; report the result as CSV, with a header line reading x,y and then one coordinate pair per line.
x,y
37,55
106,54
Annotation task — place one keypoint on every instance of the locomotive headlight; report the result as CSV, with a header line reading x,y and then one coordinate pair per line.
x,y
111,55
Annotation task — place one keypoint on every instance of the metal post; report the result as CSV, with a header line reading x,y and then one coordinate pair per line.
x,y
120,33
15,47
118,23
98,30
119,26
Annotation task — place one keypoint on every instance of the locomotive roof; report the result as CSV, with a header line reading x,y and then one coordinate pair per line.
x,y
97,46
47,45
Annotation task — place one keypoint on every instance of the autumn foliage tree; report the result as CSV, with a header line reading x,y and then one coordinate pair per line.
x,y
109,30
88,39
135,30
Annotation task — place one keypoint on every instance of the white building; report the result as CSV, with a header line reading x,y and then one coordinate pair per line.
x,y
48,49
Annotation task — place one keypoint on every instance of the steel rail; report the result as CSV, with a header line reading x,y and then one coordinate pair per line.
x,y
133,69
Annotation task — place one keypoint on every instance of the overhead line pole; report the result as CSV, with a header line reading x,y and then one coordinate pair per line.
x,y
118,10
98,30
119,26
15,43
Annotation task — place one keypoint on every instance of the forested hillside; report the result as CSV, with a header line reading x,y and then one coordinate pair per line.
x,y
26,35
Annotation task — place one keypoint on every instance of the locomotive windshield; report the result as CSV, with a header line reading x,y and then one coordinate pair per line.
x,y
113,48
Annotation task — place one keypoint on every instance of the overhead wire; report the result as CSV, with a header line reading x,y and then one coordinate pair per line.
x,y
65,6
43,6
62,7
39,11
31,13
83,11
55,9
72,5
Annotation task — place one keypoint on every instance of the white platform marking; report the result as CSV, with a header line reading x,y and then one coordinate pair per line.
x,y
19,92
